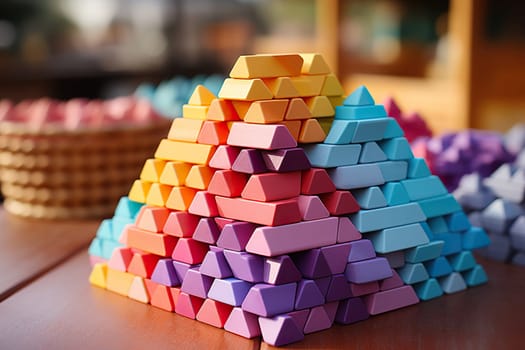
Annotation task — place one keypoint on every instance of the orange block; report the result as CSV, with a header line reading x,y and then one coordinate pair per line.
x,y
150,286
314,63
158,194
272,186
222,110
266,111
264,213
184,129
180,198
174,173
199,177
245,89
181,224
227,183
137,290
316,181
294,127
152,218
163,299
311,132
189,251
297,110
281,87
214,313
119,282
241,107
203,204
139,191
152,169
142,264
336,100
175,292
225,156
201,96
120,259
188,305
156,243
213,133
340,203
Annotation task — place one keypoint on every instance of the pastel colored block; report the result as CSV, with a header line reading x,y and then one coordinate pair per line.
x,y
245,89
164,273
243,323
395,193
266,66
452,242
329,156
273,241
320,318
137,290
281,87
312,264
346,231
181,269
197,284
266,111
158,194
201,96
118,282
183,129
249,161
398,238
231,291
139,191
156,243
268,300
194,153
224,157
341,132
215,264
311,132
312,208
265,213
280,270
143,264
424,252
413,273
498,216
360,112
163,299
462,261
245,266
423,188
378,219
332,87
438,267
152,219
189,251
203,204
417,167
235,236
360,289
180,224
475,238
391,282
428,289
214,313
300,317
308,295
441,205
475,276
397,148
206,231
314,63
360,250
271,136
127,208
241,107
326,124
359,97
368,270
393,170
308,85
356,176
452,283
194,112
372,153
222,110
323,284
272,186
188,305
316,181
320,106
457,222
180,198
391,299
174,173
438,225
370,198
369,130
298,110
213,133
392,129
152,169
199,177
280,330
105,230
107,247
351,310
98,275
340,202
285,160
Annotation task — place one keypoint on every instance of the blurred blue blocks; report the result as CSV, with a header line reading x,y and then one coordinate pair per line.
x,y
424,188
392,129
127,208
452,242
457,221
378,219
329,156
475,276
462,261
398,238
105,230
475,238
452,283
356,176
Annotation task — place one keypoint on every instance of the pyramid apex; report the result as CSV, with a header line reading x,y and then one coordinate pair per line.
x,y
314,63
359,97
201,96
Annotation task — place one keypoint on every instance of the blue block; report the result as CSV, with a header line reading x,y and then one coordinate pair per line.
x,y
393,170
328,156
499,215
378,219
441,205
356,176
127,208
475,238
397,148
359,97
424,252
398,238
452,283
438,225
438,267
369,130
428,289
393,129
395,193
341,132
427,230
413,273
105,230
370,198
424,188
462,261
371,153
475,276
119,223
95,248
417,167
457,222
360,112
108,246
231,291
453,243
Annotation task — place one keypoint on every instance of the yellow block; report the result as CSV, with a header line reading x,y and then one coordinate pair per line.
x,y
158,194
266,66
314,63
241,107
266,111
137,290
311,132
297,109
245,89
336,100
195,112
152,169
199,177
294,127
180,198
320,106
332,86
201,96
174,173
139,191
281,87
194,153
184,129
308,85
98,275
118,281
326,124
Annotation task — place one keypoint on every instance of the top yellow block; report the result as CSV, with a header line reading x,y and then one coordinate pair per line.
x,y
267,66
314,64
201,96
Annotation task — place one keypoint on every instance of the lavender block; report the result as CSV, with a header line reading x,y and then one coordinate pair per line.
x,y
267,300
517,233
245,266
391,282
249,161
165,274
206,231
391,299
336,256
312,264
499,215
308,295
368,270
361,250
351,310
338,289
280,270
231,291
196,283
320,318
289,159
357,290
181,269
243,323
215,264
280,330
300,317
235,236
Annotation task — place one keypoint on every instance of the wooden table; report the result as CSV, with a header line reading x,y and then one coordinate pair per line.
x,y
49,304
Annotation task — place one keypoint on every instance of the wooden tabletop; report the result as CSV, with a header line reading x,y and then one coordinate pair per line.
x,y
52,306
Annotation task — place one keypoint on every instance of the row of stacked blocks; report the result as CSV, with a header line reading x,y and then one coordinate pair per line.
x,y
263,214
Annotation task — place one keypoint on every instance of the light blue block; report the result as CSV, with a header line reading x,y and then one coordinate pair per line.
x,y
398,238
413,273
475,276
424,188
397,148
393,170
395,193
369,130
95,248
119,223
356,176
475,238
453,242
452,283
328,156
105,230
428,289
438,225
370,198
360,112
341,132
371,153
438,267
393,129
462,261
441,205
427,230
108,246
417,167
499,215
378,219
457,222
424,252
359,97
127,208
231,291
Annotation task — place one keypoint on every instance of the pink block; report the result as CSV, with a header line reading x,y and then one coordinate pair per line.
x,y
189,251
346,231
152,218
391,299
312,208
180,224
224,157
321,317
392,282
363,288
120,259
95,259
272,186
206,231
243,323
261,136
203,204
235,235
188,305
336,257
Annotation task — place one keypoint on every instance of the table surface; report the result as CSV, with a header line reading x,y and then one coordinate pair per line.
x,y
47,303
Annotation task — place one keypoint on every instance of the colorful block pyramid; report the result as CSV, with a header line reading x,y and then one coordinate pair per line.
x,y
271,227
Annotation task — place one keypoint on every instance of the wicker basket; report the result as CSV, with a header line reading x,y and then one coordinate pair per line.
x,y
57,174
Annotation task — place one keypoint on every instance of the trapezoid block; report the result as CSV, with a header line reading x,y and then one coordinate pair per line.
x,y
260,136
369,270
213,133
266,66
320,106
266,111
235,235
245,89
174,173
356,176
316,181
311,131
152,169
424,252
370,198
286,160
329,156
391,282
391,299
249,161
118,282
245,266
398,238
308,85
272,186
156,243
368,129
269,300
194,153
194,112
164,273
183,129
201,96
243,323
280,270
281,87
222,110
231,291
360,112
381,218
280,330
332,87
227,183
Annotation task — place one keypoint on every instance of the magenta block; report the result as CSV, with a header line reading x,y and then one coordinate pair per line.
x,y
357,290
346,231
249,161
336,257
321,317
391,299
308,295
283,160
280,330
338,289
351,310
197,284
312,263
235,236
391,282
206,231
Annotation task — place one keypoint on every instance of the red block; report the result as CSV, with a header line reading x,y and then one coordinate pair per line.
x,y
340,203
143,264
188,305
189,251
214,313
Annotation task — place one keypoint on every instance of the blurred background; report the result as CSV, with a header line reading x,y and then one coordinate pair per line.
x,y
459,62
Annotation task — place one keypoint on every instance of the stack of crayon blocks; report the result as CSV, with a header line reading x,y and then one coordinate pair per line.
x,y
264,215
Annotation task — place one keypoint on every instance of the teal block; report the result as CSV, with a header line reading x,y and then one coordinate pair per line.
x,y
328,156
360,112
369,130
424,252
370,198
475,276
441,205
453,242
417,167
429,289
475,238
413,273
372,153
95,248
398,238
462,261
127,208
393,170
452,283
438,267
356,176
395,193
119,223
107,247
427,230
381,218
393,129
359,97
438,225
397,148
424,188
105,230
341,132
457,222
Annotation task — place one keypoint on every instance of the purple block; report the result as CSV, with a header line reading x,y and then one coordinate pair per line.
x,y
338,289
368,270
243,323
351,310
280,270
308,295
206,231
323,284
181,269
267,300
336,256
280,330
215,264
289,159
300,317
164,273
235,236
231,291
391,282
245,266
390,299
357,290
361,250
197,284
312,263
321,317
249,161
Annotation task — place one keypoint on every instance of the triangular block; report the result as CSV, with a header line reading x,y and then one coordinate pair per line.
x,y
392,282
215,264
180,198
196,284
183,129
152,170
314,63
249,161
413,273
370,198
371,153
281,87
312,264
139,191
359,97
293,126
311,131
188,305
164,273
338,289
245,266
320,318
245,89
203,204
158,194
332,87
266,111
312,208
453,283
162,298
346,231
351,310
336,257
152,219
201,96
280,270
340,202
120,259
199,177
395,193
98,275
222,110
180,224
214,313
272,186
297,110
224,157
189,251
213,133
475,276
235,236
242,323
137,290
206,231
308,295
285,160
272,136
143,264
428,289
174,173
280,330
316,181
231,291
438,267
